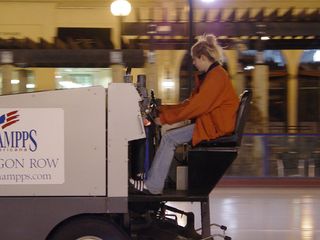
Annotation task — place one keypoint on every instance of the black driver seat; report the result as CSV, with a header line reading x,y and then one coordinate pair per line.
x,y
209,160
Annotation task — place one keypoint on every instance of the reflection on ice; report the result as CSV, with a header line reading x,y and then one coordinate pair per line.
x,y
291,214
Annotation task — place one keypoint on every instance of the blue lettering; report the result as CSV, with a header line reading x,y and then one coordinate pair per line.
x,y
32,138
19,139
25,137
7,138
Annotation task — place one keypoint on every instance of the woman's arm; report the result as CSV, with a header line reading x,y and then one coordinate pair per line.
x,y
201,102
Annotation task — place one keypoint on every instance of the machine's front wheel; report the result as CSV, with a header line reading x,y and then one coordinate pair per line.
x,y
91,227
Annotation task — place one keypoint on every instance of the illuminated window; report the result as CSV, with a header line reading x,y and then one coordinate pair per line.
x,y
82,77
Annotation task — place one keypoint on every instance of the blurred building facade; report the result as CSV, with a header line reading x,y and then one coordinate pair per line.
x,y
271,47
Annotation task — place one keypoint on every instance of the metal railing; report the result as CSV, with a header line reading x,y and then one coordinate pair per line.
x,y
278,155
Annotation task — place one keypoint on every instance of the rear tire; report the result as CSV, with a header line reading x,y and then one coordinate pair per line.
x,y
88,227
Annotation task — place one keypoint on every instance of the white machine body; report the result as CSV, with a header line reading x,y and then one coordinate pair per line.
x,y
124,124
53,143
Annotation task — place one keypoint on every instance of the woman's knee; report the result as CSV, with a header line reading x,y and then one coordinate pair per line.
x,y
169,139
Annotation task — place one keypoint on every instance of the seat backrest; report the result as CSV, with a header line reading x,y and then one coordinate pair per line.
x,y
242,114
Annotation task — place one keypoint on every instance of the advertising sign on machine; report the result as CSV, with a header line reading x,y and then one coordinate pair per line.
x,y
31,146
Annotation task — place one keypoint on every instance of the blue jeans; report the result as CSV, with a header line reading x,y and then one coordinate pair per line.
x,y
162,161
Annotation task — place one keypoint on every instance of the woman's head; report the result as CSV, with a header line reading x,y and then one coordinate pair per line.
x,y
207,48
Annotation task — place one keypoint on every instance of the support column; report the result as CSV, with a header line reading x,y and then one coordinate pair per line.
x,y
117,73
261,93
233,67
260,85
6,71
44,78
165,74
152,73
23,77
292,60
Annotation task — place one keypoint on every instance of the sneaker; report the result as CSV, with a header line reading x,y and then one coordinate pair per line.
x,y
138,186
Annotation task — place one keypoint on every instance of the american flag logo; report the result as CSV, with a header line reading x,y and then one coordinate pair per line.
x,y
8,119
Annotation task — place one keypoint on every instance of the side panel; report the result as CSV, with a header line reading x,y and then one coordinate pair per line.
x,y
31,218
70,135
124,124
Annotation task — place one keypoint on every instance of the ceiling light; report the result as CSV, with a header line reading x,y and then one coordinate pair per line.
x,y
30,85
265,38
15,81
168,84
120,8
316,56
248,67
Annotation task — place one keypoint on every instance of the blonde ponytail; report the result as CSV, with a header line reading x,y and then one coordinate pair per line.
x,y
208,46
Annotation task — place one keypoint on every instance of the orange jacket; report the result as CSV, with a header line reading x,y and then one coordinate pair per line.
x,y
213,105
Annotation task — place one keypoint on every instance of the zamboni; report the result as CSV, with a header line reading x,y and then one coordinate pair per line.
x,y
64,168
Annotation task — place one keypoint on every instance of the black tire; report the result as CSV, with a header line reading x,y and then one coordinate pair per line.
x,y
88,227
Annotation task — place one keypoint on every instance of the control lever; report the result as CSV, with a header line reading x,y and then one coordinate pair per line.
x,y
153,106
